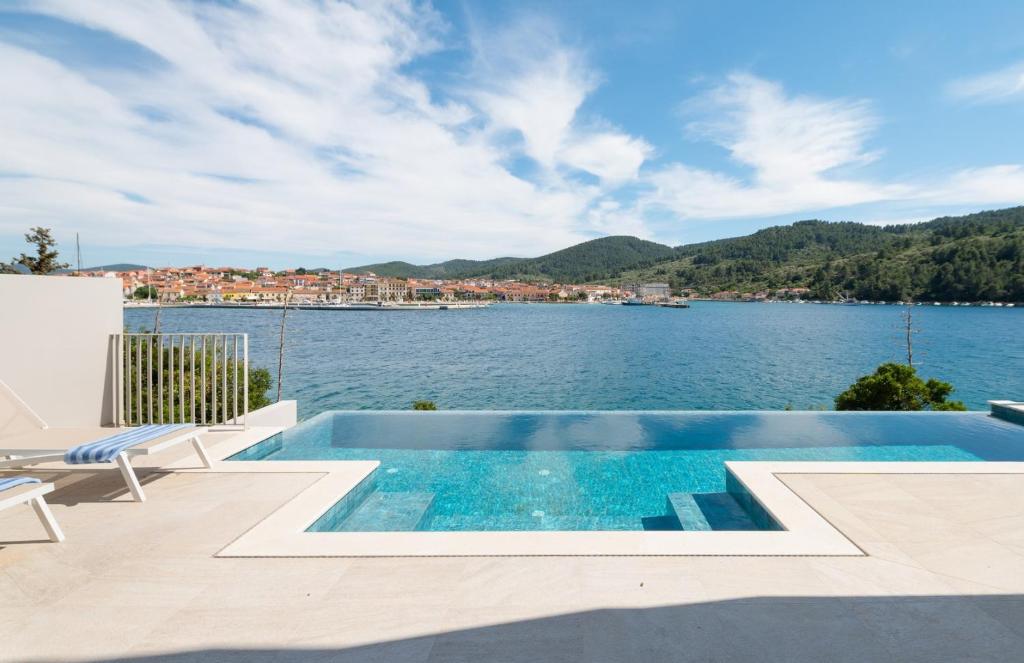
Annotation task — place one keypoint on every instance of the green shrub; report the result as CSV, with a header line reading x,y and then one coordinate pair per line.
x,y
897,387
177,397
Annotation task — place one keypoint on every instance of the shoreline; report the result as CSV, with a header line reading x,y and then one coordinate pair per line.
x,y
370,306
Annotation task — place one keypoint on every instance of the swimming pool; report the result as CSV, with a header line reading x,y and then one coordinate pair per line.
x,y
515,471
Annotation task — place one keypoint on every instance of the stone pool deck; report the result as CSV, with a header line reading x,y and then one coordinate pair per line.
x,y
942,579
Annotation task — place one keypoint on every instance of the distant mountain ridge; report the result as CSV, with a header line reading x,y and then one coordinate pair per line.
x,y
450,269
116,267
605,257
973,257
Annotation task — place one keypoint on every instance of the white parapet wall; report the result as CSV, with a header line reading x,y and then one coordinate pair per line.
x,y
283,414
55,348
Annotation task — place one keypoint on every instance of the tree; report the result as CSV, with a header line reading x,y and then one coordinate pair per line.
x,y
259,385
897,387
45,260
145,292
424,405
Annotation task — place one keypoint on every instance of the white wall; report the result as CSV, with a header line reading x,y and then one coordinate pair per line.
x,y
282,413
55,349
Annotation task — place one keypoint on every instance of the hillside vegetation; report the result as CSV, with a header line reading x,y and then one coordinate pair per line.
x,y
970,258
603,258
967,258
450,269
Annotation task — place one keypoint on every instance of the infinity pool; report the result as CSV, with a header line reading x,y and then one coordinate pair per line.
x,y
503,471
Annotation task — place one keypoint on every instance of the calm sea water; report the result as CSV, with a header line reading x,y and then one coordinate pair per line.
x,y
566,357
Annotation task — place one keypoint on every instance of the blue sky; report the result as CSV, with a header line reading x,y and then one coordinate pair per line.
x,y
333,134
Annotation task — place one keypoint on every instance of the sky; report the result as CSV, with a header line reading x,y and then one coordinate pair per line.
x,y
332,134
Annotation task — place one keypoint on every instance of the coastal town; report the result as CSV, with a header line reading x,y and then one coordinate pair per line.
x,y
232,285
262,286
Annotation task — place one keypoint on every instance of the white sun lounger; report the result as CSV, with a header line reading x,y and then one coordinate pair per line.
x,y
34,442
27,490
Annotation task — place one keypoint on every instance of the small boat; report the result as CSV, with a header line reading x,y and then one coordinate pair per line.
x,y
677,303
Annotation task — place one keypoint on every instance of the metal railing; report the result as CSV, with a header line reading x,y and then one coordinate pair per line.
x,y
181,378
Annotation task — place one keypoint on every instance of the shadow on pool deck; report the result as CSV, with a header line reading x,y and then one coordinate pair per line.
x,y
818,629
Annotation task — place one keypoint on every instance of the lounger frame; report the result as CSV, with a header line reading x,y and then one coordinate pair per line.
x,y
20,457
32,494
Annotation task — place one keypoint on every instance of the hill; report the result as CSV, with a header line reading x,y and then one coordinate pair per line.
x,y
971,258
116,267
450,269
596,260
606,257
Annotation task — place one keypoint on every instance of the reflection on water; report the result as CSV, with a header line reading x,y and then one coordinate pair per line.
x,y
977,433
596,471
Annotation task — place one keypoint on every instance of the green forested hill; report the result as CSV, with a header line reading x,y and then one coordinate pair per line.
x,y
450,269
598,259
970,258
606,257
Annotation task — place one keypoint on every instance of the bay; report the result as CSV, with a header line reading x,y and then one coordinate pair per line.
x,y
594,357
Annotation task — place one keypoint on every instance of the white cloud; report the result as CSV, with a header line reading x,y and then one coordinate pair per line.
x,y
533,85
803,155
791,145
1000,85
293,127
306,128
612,156
991,184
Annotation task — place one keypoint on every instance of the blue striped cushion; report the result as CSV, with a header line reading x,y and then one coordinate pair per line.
x,y
11,482
105,450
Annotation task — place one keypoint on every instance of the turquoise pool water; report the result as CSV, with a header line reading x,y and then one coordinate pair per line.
x,y
486,471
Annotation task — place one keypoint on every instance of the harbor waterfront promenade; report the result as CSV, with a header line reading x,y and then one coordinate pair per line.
x,y
568,357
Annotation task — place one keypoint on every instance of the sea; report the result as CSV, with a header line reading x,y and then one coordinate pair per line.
x,y
714,355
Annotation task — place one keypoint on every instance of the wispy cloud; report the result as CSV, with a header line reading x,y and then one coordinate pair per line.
x,y
792,146
991,87
529,83
312,129
295,126
802,154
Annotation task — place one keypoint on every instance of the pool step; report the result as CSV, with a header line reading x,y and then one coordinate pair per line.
x,y
710,511
485,523
687,511
388,512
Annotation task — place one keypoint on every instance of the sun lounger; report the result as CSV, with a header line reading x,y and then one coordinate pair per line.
x,y
28,490
101,445
25,439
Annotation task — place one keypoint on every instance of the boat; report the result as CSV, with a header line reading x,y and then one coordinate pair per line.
x,y
634,301
676,303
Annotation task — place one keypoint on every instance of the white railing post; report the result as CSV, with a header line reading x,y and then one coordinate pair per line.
x,y
245,369
129,392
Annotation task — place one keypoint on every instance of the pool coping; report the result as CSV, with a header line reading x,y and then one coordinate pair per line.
x,y
805,531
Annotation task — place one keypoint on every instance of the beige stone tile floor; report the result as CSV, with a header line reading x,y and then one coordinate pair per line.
x,y
943,580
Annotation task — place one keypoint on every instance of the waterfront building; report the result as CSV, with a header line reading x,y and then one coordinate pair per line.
x,y
651,290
